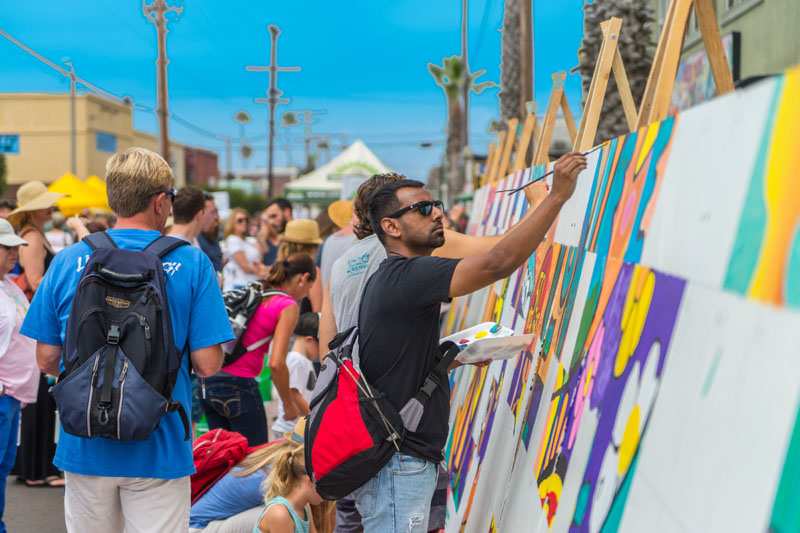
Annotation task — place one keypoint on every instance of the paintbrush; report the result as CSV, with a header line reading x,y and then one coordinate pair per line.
x,y
543,176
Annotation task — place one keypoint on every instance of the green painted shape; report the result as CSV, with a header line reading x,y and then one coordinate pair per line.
x,y
786,509
581,504
712,373
614,516
753,222
793,273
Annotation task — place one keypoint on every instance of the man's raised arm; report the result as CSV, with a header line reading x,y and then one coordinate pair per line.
x,y
477,271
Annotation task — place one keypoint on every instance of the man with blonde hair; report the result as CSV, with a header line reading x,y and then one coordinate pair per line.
x,y
134,485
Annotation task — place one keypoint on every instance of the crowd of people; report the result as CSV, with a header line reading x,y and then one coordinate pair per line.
x,y
389,262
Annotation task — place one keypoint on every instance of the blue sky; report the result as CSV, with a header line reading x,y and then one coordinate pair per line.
x,y
364,63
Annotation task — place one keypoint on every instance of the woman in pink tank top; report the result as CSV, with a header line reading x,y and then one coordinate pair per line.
x,y
233,400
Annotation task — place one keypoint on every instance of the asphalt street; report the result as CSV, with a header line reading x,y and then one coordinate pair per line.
x,y
29,510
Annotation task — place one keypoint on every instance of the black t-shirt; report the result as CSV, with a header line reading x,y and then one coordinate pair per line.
x,y
399,341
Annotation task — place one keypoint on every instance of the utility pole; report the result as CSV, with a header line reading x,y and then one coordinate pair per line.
x,y
526,53
156,12
273,97
465,59
307,122
73,141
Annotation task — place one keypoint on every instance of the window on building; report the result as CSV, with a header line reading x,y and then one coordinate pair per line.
x,y
9,144
106,142
734,8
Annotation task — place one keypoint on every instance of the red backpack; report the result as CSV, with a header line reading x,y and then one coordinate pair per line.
x,y
353,430
215,454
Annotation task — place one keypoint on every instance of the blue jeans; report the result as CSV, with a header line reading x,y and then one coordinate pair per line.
x,y
9,426
234,404
398,498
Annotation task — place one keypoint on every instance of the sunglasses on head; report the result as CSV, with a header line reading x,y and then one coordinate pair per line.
x,y
425,208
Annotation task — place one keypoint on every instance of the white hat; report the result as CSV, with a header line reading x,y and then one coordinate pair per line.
x,y
7,235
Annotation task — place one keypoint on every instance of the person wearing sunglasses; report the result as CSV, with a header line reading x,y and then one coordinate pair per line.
x,y
113,485
398,325
244,264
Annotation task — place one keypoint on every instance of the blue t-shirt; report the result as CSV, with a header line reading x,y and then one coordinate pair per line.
x,y
229,496
197,312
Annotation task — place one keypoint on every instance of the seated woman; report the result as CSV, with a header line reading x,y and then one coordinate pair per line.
x,y
236,501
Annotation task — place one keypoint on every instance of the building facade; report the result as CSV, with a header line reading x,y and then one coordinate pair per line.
x,y
35,137
202,166
766,31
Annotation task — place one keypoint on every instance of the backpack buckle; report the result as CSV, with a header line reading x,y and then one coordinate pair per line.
x,y
113,335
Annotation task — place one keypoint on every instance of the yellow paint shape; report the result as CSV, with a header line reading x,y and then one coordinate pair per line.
x,y
481,334
630,441
647,145
782,196
637,305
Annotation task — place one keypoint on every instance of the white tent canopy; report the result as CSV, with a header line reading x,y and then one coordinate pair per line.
x,y
337,178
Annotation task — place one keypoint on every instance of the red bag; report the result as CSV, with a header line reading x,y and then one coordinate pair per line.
x,y
215,454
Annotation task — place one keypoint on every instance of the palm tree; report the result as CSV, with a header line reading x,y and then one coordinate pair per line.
x,y
453,78
510,60
636,45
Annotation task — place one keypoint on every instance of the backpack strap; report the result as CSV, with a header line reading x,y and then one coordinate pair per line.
x,y
412,411
187,428
164,245
99,241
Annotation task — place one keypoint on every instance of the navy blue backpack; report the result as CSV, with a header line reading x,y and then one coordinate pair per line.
x,y
120,361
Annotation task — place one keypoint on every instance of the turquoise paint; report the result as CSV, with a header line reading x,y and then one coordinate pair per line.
x,y
753,222
614,516
581,504
711,374
793,273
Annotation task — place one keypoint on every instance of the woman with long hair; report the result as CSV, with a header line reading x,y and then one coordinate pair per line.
x,y
236,502
244,256
292,503
37,437
232,398
302,237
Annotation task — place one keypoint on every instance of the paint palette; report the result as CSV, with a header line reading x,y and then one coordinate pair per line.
x,y
488,342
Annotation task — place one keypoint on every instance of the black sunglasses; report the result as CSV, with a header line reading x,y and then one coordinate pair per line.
x,y
171,193
425,208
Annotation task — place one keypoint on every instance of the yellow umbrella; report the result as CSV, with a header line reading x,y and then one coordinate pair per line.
x,y
100,192
79,196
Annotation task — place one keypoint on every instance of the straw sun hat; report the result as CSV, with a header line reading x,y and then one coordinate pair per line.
x,y
302,231
341,212
33,196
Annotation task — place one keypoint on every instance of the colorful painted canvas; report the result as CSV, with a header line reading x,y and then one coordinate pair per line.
x,y
660,392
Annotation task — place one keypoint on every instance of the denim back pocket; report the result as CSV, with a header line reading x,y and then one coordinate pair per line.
x,y
225,399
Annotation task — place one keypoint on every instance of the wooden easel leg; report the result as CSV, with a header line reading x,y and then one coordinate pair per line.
x,y
524,142
501,140
707,22
597,90
624,88
511,136
569,118
665,68
540,155
491,154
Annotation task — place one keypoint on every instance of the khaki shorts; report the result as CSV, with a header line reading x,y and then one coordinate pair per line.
x,y
95,504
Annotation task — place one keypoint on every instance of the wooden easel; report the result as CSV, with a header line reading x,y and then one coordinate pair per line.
x,y
505,153
529,134
608,60
557,100
661,81
491,154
